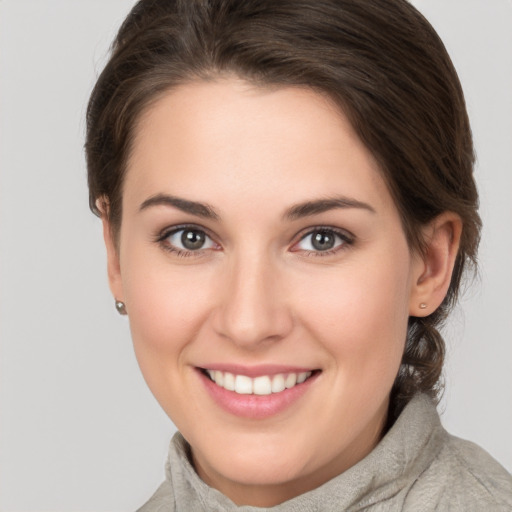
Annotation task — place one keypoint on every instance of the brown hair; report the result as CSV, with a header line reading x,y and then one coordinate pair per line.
x,y
380,60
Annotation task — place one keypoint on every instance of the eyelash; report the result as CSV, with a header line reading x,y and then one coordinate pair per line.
x,y
347,240
161,239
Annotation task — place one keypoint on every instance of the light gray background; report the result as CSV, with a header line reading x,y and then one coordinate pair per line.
x,y
79,429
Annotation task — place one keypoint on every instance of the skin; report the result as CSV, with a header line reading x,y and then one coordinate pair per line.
x,y
258,292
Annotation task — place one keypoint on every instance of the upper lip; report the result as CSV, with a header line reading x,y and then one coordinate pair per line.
x,y
256,370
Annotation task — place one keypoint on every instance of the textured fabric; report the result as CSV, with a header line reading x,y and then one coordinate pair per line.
x,y
417,466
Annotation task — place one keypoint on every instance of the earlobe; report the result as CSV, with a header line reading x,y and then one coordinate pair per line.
x,y
434,267
113,264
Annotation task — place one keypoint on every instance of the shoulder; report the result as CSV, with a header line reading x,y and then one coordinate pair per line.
x,y
463,477
161,501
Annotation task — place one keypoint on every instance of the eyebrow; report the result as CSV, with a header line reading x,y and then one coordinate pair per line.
x,y
193,207
322,205
297,211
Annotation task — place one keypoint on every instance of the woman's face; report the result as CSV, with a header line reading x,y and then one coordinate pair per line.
x,y
259,244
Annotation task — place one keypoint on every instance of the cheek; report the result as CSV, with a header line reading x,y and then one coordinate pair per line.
x,y
165,308
166,304
166,311
360,314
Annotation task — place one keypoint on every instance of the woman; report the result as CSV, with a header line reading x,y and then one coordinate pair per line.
x,y
288,206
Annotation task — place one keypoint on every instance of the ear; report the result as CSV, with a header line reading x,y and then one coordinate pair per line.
x,y
113,264
433,269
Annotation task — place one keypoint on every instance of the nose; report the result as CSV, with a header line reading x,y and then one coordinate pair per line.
x,y
253,309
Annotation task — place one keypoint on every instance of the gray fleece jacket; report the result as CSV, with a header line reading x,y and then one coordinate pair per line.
x,y
417,467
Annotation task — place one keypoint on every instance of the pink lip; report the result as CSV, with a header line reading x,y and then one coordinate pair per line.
x,y
256,370
255,407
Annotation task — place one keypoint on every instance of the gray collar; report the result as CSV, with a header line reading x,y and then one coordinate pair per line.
x,y
403,454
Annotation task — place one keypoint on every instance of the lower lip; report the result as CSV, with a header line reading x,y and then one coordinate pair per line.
x,y
255,406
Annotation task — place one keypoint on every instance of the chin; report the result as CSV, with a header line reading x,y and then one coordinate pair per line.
x,y
262,463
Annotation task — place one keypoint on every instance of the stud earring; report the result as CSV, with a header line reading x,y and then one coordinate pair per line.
x,y
422,306
121,308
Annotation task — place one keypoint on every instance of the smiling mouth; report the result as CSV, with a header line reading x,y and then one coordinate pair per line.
x,y
262,385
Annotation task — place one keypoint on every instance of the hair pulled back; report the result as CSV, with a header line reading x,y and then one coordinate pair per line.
x,y
379,60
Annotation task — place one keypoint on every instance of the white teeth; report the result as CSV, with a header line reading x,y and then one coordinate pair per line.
x,y
302,377
243,385
290,381
229,381
278,383
219,377
263,385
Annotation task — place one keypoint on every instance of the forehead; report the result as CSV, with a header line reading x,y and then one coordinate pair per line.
x,y
228,139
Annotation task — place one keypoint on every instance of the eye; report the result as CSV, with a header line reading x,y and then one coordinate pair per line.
x,y
326,240
187,239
